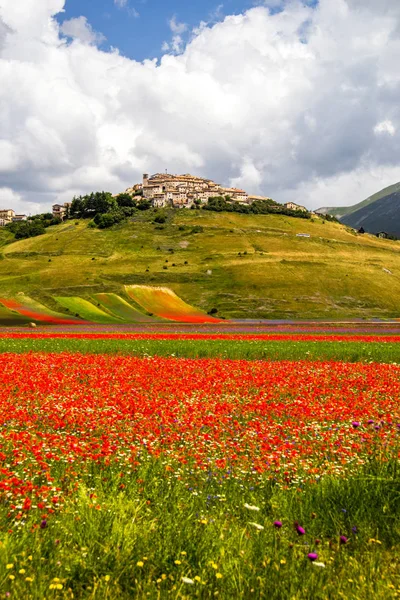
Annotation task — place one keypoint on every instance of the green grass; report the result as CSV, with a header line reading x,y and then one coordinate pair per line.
x,y
332,274
236,350
11,318
121,308
86,310
135,534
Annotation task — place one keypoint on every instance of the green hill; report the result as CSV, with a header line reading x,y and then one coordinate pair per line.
x,y
246,266
345,211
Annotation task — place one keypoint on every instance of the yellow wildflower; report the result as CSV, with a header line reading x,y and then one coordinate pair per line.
x,y
140,563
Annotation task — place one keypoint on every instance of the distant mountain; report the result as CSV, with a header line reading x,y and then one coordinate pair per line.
x,y
380,212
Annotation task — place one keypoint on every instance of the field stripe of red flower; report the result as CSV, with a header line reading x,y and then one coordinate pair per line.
x,y
291,421
268,337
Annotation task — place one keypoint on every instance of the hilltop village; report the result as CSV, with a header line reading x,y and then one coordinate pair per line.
x,y
183,191
157,191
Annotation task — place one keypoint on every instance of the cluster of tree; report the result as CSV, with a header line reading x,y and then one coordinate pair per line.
x,y
328,217
34,226
258,207
105,209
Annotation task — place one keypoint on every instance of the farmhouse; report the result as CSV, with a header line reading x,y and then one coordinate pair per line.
x,y
7,215
60,211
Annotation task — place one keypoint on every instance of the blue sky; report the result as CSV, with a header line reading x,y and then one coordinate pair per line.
x,y
139,28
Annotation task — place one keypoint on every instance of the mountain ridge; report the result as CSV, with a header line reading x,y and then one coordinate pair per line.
x,y
379,212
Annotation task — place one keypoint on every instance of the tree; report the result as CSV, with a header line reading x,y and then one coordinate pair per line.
x,y
125,200
27,229
144,204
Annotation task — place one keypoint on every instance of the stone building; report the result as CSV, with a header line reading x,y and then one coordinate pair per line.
x,y
293,206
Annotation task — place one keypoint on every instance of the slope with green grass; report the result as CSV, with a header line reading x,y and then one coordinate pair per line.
x,y
11,318
30,310
120,308
245,266
86,310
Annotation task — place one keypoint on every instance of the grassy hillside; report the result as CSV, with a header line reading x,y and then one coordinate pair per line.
x,y
244,265
343,211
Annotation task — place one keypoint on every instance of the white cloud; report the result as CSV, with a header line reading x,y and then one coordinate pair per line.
x,y
10,199
300,104
124,4
176,27
80,29
385,127
176,45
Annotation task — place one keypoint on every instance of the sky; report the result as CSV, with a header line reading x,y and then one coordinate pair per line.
x,y
297,100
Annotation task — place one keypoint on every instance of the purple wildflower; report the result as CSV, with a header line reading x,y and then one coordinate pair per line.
x,y
356,424
354,529
343,539
43,524
277,524
300,529
312,556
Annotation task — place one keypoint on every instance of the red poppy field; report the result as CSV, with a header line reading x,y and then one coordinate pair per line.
x,y
131,477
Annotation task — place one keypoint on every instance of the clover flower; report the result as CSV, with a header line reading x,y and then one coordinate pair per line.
x,y
251,507
257,526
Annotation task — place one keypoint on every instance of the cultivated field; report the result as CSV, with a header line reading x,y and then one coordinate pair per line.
x,y
245,266
189,466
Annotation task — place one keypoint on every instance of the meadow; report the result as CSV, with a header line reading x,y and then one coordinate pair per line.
x,y
296,347
199,466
